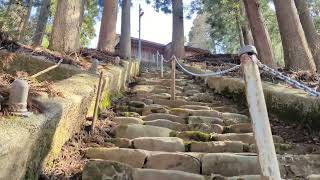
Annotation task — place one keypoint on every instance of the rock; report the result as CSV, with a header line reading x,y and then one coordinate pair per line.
x,y
192,136
132,157
167,124
141,89
313,177
190,87
226,109
200,127
155,108
127,120
217,147
228,164
137,104
167,144
134,109
191,92
177,103
240,128
173,161
208,113
245,177
181,112
120,142
99,169
202,97
161,96
155,174
136,130
148,101
130,114
169,117
217,128
196,107
239,118
204,119
247,138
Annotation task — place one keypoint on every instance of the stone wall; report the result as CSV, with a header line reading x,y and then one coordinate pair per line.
x,y
28,145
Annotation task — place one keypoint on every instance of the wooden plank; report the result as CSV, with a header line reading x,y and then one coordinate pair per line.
x,y
260,120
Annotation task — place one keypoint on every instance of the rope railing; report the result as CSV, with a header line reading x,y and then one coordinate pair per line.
x,y
219,73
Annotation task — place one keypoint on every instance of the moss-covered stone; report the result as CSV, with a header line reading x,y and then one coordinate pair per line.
x,y
192,135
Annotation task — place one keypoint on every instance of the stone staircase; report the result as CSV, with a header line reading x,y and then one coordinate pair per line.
x,y
195,137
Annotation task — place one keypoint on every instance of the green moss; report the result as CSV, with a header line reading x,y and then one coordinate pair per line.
x,y
173,134
107,99
195,136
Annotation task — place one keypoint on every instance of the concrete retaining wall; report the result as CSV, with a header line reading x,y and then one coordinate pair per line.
x,y
28,145
290,104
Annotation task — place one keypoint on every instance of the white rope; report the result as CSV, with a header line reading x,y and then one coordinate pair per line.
x,y
219,73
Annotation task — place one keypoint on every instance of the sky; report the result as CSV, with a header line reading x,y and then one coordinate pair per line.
x,y
156,27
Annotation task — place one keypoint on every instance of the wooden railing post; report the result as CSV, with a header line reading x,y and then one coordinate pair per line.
x,y
161,66
157,59
258,111
173,78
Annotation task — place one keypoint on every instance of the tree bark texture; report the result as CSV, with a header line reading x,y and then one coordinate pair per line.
x,y
310,31
260,34
246,31
297,55
42,23
66,26
177,29
25,22
107,34
125,38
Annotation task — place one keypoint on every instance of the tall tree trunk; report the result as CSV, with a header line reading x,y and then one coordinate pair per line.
x,y
246,31
310,31
297,55
125,38
25,22
107,34
10,3
178,29
42,23
66,26
260,34
241,38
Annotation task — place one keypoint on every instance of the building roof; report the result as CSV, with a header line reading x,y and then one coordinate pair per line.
x,y
135,41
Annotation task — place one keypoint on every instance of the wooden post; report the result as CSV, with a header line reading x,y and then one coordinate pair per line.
x,y
173,78
96,105
161,67
260,121
47,69
157,59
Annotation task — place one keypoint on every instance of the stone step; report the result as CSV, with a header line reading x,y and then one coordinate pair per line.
x,y
127,120
170,117
167,144
202,127
195,107
156,174
179,103
225,164
103,169
247,138
131,131
230,118
218,147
